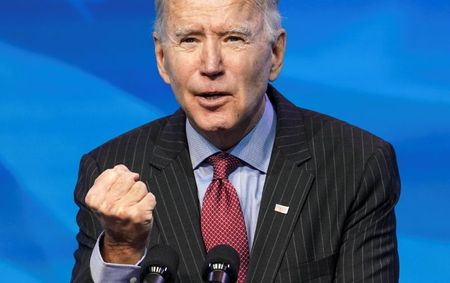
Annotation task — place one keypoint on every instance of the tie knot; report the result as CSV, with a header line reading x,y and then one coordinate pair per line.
x,y
223,165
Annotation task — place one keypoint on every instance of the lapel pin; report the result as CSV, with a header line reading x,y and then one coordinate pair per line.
x,y
281,208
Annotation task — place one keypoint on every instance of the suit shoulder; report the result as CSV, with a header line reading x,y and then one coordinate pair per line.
x,y
332,132
321,128
136,140
337,146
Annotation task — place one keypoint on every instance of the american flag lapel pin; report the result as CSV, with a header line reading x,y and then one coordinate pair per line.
x,y
281,208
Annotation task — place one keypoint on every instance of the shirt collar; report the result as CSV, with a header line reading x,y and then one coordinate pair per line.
x,y
254,149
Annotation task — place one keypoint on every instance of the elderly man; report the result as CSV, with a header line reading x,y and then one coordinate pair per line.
x,y
301,196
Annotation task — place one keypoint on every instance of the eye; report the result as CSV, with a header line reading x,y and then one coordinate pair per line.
x,y
188,40
234,38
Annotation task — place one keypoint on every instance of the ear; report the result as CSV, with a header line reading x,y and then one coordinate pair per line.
x,y
160,59
278,50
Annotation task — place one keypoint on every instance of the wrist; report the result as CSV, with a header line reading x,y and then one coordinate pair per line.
x,y
120,252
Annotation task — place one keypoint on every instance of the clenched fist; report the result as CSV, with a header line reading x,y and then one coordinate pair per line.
x,y
124,207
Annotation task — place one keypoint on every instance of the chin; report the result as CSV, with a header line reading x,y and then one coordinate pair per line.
x,y
215,129
214,122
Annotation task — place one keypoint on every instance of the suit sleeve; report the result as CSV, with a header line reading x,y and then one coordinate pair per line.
x,y
368,251
89,227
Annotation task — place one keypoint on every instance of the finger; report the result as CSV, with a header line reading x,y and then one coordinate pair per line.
x,y
144,209
123,168
104,182
95,198
124,171
121,186
136,193
139,212
109,176
148,203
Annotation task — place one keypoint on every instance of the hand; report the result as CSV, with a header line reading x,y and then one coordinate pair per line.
x,y
125,210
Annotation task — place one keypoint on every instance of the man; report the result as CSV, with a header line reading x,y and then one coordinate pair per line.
x,y
315,196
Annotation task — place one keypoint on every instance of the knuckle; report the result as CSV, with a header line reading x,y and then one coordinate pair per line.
x,y
90,201
120,213
135,216
90,197
121,167
141,185
109,171
99,178
129,176
151,196
113,174
105,207
151,199
106,175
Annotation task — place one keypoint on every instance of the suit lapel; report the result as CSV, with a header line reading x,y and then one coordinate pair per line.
x,y
288,183
177,213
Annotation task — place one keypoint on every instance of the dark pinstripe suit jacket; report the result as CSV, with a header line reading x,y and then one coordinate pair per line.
x,y
340,183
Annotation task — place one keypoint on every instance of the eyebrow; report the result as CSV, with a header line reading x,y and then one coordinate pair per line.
x,y
184,31
180,32
240,30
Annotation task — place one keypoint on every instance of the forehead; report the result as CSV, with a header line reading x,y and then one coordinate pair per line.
x,y
211,12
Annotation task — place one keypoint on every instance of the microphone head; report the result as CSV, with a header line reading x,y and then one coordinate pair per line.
x,y
162,260
222,258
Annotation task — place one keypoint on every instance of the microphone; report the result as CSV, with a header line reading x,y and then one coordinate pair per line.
x,y
162,265
221,265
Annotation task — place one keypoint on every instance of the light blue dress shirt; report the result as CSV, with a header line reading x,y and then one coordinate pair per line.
x,y
254,149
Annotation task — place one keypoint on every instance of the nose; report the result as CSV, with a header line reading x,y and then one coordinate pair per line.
x,y
211,60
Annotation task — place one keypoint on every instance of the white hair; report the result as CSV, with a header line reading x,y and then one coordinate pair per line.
x,y
268,9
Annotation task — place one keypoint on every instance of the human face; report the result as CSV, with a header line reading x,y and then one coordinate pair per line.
x,y
218,60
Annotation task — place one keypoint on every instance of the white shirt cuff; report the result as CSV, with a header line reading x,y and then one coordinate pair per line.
x,y
102,271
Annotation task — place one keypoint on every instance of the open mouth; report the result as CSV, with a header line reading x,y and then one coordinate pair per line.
x,y
213,100
212,95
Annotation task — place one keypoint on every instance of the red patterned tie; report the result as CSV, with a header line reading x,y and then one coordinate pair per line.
x,y
222,218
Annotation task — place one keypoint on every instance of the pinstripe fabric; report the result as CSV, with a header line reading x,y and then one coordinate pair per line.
x,y
339,182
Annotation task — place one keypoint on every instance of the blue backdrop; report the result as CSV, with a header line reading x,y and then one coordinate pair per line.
x,y
74,73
